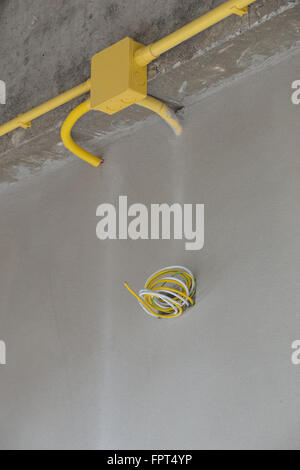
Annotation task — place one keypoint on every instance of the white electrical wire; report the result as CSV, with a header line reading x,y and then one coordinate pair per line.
x,y
167,292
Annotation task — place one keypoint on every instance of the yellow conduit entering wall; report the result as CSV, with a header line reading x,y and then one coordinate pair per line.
x,y
163,111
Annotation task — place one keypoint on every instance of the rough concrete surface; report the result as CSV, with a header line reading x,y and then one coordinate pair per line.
x,y
46,48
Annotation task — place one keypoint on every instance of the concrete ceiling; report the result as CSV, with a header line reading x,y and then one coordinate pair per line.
x,y
46,48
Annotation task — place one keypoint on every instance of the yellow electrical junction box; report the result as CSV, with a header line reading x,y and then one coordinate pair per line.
x,y
116,80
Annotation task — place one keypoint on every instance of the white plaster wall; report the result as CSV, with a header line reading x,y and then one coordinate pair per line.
x,y
85,367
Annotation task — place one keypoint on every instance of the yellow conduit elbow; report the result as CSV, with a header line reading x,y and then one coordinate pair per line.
x,y
66,137
163,111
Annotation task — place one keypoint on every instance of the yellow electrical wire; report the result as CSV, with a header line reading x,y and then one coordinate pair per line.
x,y
167,293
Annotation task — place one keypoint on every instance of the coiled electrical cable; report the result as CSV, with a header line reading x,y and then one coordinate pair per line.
x,y
167,293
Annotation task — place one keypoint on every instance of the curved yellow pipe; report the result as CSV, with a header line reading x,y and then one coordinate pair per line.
x,y
163,111
66,137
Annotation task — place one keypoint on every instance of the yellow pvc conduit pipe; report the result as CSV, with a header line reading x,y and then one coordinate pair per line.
x,y
66,137
149,102
24,120
147,54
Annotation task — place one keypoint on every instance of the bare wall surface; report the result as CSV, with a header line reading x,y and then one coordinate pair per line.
x,y
46,48
86,368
